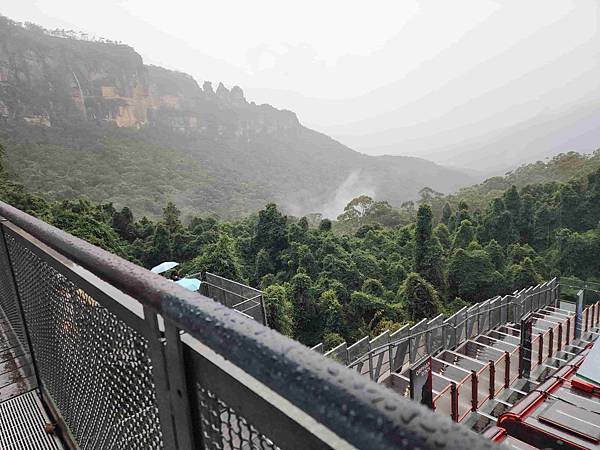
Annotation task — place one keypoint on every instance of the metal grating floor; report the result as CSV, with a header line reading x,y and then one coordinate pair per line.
x,y
22,421
16,372
22,415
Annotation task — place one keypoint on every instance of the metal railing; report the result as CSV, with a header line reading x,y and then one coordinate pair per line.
x,y
125,359
246,300
391,352
242,298
479,369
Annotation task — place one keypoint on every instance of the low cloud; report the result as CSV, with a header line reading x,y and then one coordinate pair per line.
x,y
356,183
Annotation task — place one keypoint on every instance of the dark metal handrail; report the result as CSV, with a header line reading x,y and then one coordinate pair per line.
x,y
329,404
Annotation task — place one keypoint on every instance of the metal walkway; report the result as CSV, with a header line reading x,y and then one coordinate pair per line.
x,y
16,372
22,415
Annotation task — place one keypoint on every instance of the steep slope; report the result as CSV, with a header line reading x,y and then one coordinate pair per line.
x,y
82,118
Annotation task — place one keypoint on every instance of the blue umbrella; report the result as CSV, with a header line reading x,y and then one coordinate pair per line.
x,y
191,284
163,267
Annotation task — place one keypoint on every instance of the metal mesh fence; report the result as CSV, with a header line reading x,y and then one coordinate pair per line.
x,y
8,297
224,429
95,368
242,298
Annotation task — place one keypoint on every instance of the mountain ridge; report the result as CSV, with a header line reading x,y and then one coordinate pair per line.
x,y
76,98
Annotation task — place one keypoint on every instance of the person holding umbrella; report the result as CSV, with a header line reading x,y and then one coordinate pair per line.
x,y
191,284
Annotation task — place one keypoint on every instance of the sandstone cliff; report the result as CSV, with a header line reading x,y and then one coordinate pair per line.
x,y
46,79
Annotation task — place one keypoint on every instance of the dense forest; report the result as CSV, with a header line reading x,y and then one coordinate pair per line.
x,y
325,283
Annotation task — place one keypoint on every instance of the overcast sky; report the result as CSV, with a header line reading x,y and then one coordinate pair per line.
x,y
359,70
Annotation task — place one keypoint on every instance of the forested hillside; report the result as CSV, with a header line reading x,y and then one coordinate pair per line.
x,y
322,285
89,120
562,167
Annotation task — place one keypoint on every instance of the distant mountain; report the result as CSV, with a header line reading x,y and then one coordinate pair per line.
x,y
481,98
89,119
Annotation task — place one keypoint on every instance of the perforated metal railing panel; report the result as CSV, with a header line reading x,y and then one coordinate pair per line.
x,y
95,368
8,297
16,368
223,429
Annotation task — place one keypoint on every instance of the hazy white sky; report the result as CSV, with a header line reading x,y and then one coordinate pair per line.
x,y
270,43
324,49
380,73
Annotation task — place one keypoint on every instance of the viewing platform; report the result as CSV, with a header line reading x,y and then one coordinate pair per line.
x,y
98,353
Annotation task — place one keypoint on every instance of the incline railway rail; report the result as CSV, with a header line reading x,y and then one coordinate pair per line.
x,y
111,356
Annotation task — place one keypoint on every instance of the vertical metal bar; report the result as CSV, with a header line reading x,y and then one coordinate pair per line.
x,y
506,369
521,362
492,379
560,336
264,310
178,388
551,343
587,315
161,381
13,281
454,401
371,365
568,337
541,348
474,390
454,328
428,341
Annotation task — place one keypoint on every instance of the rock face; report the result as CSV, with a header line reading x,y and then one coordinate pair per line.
x,y
45,79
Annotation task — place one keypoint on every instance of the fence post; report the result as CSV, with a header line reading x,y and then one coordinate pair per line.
x,y
541,348
578,315
587,317
159,375
178,392
506,369
492,379
264,310
474,390
560,336
454,401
